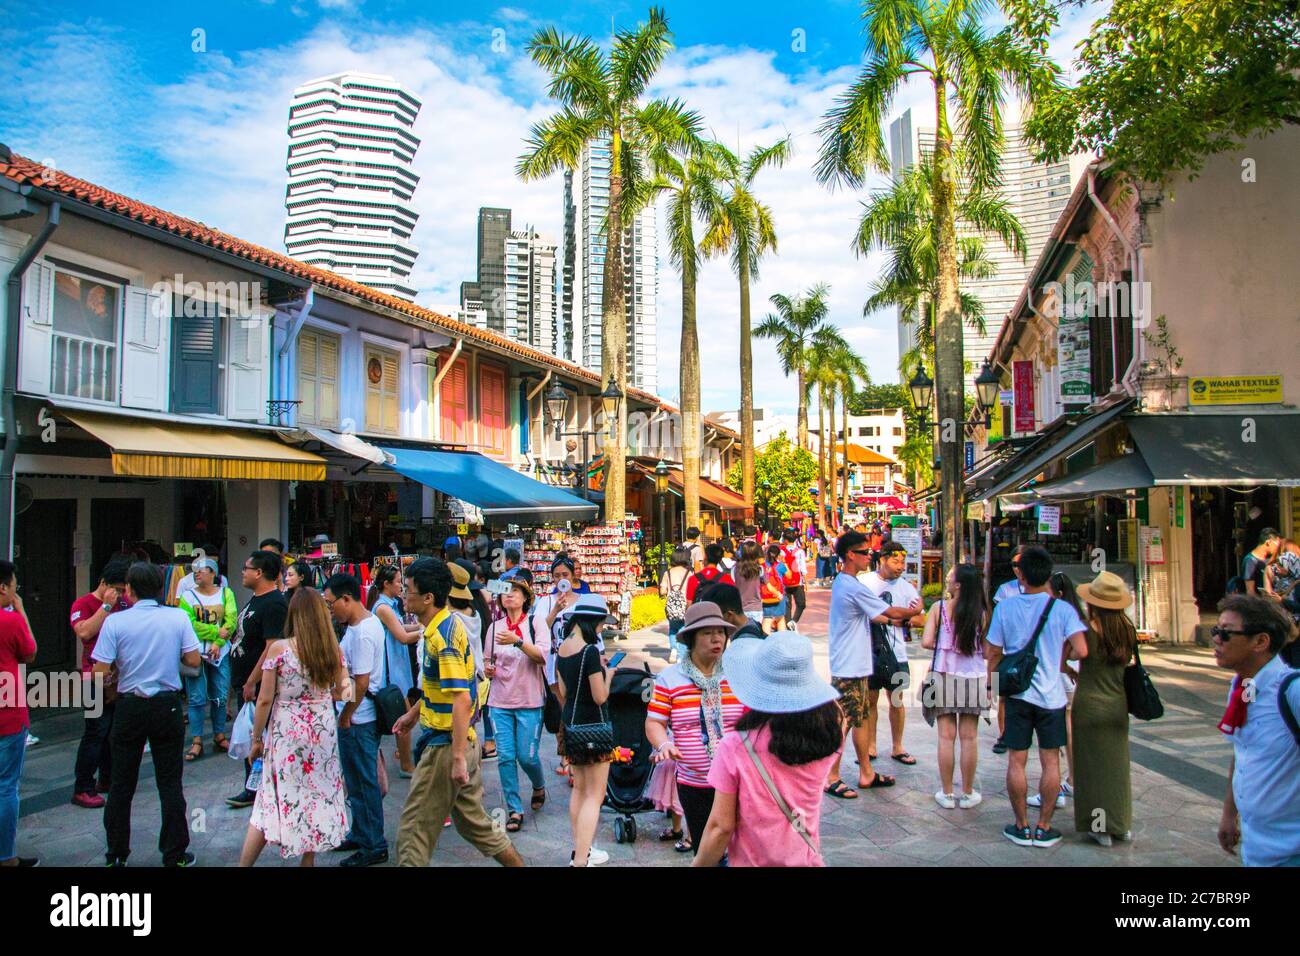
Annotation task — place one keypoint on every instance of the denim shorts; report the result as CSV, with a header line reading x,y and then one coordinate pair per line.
x,y
775,610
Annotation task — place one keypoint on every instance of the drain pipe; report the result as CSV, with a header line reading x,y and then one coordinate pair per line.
x,y
435,399
13,301
291,337
1135,270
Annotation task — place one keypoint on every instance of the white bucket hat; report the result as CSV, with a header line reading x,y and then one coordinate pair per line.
x,y
775,675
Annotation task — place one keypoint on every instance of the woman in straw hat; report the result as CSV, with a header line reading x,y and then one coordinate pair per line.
x,y
1103,794
768,775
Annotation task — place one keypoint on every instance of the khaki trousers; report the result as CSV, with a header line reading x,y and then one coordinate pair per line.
x,y
433,797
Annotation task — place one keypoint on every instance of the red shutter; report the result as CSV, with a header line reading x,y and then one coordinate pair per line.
x,y
492,410
455,405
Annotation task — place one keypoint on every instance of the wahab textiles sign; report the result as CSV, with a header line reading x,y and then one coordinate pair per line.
x,y
1235,390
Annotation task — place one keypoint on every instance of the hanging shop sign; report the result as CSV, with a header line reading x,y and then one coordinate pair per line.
x,y
970,455
1049,519
1022,376
1074,356
329,550
910,538
1236,390
1153,546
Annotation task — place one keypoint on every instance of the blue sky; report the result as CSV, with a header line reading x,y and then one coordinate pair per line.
x,y
130,96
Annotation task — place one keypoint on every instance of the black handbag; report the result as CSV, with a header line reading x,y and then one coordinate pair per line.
x,y
885,665
551,718
930,686
390,702
1143,700
597,737
1015,672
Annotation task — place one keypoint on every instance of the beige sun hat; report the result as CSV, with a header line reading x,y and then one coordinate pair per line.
x,y
1107,590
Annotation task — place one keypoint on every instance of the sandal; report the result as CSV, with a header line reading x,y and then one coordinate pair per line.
x,y
490,754
879,780
683,845
903,758
842,791
539,798
668,833
221,742
562,770
195,751
514,822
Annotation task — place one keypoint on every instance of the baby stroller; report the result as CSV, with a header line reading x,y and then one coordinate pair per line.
x,y
629,698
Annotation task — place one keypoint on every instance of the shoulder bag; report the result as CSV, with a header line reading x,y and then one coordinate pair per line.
x,y
797,823
550,703
886,668
1143,700
390,702
930,686
1015,672
593,738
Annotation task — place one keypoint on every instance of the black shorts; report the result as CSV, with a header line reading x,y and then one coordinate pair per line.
x,y
1024,718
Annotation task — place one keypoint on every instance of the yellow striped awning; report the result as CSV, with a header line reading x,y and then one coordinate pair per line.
x,y
144,448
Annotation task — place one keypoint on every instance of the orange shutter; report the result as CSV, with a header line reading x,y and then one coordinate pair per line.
x,y
454,398
492,410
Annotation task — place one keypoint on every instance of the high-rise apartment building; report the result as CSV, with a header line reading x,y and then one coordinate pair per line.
x,y
1035,192
489,288
586,204
514,293
351,147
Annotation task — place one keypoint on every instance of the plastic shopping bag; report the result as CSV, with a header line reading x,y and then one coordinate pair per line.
x,y
241,734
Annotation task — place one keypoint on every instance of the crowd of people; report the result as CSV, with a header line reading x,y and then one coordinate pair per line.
x,y
745,738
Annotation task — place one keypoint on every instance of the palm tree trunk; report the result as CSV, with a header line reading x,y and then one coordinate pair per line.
x,y
746,391
948,361
802,429
827,515
844,398
690,388
613,338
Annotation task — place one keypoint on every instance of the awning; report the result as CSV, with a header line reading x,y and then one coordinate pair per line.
x,y
1075,434
1119,475
1242,448
145,448
925,494
886,501
498,491
861,455
348,444
720,496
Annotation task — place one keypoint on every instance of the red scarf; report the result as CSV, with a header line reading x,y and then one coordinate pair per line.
x,y
514,628
1235,715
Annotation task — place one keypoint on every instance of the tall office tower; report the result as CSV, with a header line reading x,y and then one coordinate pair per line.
x,y
529,309
586,202
902,153
350,188
1035,192
489,289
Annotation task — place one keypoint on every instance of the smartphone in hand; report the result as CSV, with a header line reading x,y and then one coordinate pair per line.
x,y
617,659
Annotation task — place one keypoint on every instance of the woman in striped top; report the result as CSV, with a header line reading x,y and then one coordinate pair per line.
x,y
693,701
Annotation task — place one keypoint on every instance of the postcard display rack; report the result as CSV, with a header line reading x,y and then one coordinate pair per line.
x,y
543,545
602,551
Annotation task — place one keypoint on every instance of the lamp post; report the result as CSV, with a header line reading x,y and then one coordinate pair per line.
x,y
767,505
987,387
661,496
557,406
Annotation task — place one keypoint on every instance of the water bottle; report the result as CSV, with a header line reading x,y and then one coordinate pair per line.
x,y
254,781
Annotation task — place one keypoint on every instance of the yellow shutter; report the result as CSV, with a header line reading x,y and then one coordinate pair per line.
x,y
308,411
389,394
329,379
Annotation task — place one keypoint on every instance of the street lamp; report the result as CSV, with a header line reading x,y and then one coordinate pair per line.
x,y
767,505
661,494
611,398
987,387
922,389
557,406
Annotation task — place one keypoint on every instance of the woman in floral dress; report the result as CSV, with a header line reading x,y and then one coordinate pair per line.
x,y
301,806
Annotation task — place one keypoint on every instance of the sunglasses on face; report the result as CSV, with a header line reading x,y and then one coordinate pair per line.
x,y
862,553
1223,635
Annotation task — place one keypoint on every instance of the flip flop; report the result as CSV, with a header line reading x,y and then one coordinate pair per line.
x,y
683,845
842,791
538,801
903,758
668,834
879,780
514,822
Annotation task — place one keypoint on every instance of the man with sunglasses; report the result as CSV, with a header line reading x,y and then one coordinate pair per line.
x,y
1261,810
853,608
1008,589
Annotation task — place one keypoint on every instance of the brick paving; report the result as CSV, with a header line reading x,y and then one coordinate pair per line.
x,y
1179,774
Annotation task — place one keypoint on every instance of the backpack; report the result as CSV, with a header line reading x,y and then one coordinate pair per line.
x,y
771,589
702,584
793,576
675,603
1284,706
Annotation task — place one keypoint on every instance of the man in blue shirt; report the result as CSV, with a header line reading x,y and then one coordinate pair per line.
x,y
1261,811
148,642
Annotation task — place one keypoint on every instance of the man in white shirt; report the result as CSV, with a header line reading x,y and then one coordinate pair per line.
x,y
1261,810
1008,589
363,652
888,584
853,608
1040,710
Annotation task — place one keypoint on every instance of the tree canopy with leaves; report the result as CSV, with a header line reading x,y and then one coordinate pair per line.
x,y
791,472
1164,85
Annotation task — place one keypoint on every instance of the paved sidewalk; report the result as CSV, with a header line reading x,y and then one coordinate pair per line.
x,y
1179,774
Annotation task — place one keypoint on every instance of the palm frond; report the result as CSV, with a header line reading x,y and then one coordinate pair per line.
x,y
638,54
579,73
852,139
556,143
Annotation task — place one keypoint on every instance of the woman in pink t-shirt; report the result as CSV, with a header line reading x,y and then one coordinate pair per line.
x,y
768,774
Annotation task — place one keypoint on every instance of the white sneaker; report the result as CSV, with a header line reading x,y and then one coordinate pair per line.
x,y
1067,790
1125,837
32,739
968,800
1102,838
597,857
945,800
1037,800
792,626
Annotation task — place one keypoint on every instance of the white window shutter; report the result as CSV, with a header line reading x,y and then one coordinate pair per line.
x,y
328,380
36,343
247,374
145,359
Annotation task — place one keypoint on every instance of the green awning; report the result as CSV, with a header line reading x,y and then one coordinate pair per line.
x,y
1248,447
1109,477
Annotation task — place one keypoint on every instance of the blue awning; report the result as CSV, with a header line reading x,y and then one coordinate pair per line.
x,y
499,492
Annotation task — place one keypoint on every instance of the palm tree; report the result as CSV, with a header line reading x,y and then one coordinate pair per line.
x,y
970,71
850,373
822,374
747,230
692,183
600,98
792,329
900,219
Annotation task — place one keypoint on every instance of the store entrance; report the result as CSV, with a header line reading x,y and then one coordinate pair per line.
x,y
1225,520
115,523
43,557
